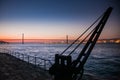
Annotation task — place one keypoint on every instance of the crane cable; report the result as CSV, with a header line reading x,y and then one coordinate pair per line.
x,y
81,41
82,34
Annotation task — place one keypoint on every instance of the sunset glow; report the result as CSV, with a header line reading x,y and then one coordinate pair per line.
x,y
41,20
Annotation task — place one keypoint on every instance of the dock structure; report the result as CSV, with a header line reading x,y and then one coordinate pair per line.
x,y
12,68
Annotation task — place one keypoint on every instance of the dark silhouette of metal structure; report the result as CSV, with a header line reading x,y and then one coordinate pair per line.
x,y
66,39
64,67
22,38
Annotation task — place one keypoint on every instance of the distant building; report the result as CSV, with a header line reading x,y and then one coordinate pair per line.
x,y
108,41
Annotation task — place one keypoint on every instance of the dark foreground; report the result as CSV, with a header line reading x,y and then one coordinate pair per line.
x,y
96,68
12,68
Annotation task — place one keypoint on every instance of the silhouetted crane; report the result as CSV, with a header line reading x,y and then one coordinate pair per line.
x,y
64,67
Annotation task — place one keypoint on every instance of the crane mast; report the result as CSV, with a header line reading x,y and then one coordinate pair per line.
x,y
66,69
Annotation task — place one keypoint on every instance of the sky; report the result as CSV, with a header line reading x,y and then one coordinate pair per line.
x,y
54,19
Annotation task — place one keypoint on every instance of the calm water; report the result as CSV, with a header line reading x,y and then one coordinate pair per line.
x,y
102,64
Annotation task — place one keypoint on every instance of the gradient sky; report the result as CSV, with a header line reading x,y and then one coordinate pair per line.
x,y
54,19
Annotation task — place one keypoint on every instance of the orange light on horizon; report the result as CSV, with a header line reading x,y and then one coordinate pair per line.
x,y
33,40
117,41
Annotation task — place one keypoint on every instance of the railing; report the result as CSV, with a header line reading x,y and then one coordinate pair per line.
x,y
37,61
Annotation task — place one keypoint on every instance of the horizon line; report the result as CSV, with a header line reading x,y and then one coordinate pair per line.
x,y
56,39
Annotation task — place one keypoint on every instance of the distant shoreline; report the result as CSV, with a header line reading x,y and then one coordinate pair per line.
x,y
57,41
51,43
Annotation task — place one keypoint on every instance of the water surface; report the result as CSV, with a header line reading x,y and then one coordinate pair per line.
x,y
102,64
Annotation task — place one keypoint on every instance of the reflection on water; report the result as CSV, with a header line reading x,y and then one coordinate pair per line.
x,y
103,63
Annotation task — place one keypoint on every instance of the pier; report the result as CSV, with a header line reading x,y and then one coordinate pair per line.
x,y
12,68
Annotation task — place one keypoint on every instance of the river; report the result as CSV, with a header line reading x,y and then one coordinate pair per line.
x,y
102,64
